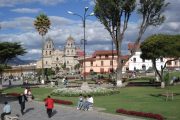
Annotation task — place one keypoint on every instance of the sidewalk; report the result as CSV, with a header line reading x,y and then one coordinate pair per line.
x,y
36,111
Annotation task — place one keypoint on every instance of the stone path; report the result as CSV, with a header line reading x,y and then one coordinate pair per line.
x,y
36,111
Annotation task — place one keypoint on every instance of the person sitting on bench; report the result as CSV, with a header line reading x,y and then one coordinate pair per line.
x,y
88,103
6,110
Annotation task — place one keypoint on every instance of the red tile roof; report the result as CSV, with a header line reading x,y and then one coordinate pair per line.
x,y
104,52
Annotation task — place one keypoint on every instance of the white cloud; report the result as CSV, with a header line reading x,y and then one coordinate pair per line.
x,y
26,10
97,37
11,3
21,23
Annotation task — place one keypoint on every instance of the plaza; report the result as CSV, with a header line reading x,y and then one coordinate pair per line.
x,y
90,59
36,111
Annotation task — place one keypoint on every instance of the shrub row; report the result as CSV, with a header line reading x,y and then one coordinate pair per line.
x,y
141,114
13,94
74,92
65,102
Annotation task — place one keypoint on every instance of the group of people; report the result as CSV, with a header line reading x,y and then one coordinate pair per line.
x,y
49,104
85,102
7,108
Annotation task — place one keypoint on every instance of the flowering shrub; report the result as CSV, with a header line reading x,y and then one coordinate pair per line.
x,y
141,114
65,102
13,94
69,92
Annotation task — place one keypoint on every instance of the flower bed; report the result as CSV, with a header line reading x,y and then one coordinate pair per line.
x,y
141,114
65,102
74,92
13,94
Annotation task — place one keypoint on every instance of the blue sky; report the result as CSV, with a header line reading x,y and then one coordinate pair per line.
x,y
17,16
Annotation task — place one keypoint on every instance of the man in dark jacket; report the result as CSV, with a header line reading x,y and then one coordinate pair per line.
x,y
22,99
49,103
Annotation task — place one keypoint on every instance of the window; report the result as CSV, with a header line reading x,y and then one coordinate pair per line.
x,y
49,46
143,60
175,63
134,68
100,56
102,63
111,62
91,63
144,67
106,56
161,59
46,52
67,51
67,62
49,52
57,58
46,62
72,51
134,60
101,70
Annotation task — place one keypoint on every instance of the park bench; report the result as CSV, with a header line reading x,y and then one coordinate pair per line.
x,y
10,117
168,95
90,107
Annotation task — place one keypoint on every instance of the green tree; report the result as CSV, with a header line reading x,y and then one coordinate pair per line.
x,y
115,15
10,50
42,25
161,46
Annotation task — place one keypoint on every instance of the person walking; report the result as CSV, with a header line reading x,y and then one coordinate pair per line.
x,y
6,110
49,103
22,100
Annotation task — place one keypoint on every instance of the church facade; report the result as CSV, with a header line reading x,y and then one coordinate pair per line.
x,y
55,58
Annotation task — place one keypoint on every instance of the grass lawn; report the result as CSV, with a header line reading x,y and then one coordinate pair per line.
x,y
143,99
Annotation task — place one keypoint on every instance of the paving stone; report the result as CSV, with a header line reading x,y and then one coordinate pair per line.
x,y
36,111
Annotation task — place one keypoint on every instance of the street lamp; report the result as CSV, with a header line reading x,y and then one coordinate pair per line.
x,y
84,26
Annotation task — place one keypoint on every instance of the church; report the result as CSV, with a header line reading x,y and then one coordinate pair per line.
x,y
55,58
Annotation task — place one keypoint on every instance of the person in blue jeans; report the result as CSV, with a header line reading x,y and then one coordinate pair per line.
x,y
88,103
80,102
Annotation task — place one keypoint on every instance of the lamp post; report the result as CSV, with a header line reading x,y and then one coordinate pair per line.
x,y
85,15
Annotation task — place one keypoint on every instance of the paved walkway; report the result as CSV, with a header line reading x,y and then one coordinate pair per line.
x,y
36,111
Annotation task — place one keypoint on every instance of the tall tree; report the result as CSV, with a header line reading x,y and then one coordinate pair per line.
x,y
10,50
115,15
42,25
161,46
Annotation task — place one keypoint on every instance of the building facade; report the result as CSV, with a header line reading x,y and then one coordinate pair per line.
x,y
67,57
103,61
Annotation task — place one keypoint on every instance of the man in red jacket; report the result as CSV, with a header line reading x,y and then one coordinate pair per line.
x,y
49,103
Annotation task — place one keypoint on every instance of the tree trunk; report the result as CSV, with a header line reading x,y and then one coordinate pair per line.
x,y
160,74
119,69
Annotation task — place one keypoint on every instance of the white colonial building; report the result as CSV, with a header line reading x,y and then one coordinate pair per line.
x,y
54,58
137,63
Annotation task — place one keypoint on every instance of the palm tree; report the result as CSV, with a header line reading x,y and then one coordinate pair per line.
x,y
42,25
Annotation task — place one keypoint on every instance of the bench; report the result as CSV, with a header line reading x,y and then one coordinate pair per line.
x,y
90,107
10,117
168,95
